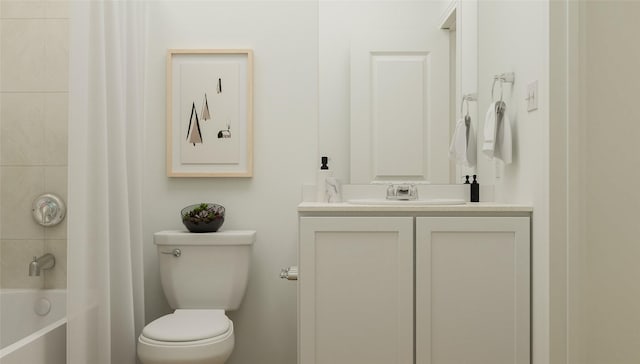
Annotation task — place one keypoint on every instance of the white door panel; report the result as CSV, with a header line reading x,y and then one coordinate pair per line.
x,y
400,107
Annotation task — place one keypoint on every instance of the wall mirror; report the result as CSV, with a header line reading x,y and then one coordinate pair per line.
x,y
392,75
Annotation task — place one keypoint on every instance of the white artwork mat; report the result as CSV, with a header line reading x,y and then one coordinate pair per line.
x,y
196,81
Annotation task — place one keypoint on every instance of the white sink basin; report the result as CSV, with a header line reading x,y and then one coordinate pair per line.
x,y
382,201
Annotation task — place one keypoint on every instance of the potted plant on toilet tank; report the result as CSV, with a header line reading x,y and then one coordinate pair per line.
x,y
203,217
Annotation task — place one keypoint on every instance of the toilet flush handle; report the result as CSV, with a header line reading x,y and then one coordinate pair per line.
x,y
175,252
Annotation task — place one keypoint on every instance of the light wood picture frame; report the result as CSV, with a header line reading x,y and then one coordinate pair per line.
x,y
209,113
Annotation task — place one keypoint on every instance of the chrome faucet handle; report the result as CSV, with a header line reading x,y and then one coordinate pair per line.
x,y
48,209
391,192
413,192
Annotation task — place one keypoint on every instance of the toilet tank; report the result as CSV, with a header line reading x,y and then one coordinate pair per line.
x,y
204,270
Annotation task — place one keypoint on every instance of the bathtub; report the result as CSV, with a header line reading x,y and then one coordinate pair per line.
x,y
33,326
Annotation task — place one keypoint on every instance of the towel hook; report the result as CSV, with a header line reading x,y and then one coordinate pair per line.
x,y
509,77
496,79
465,99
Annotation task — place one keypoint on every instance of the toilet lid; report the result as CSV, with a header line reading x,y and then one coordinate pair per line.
x,y
188,325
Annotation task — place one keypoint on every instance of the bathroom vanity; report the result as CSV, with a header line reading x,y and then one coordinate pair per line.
x,y
414,284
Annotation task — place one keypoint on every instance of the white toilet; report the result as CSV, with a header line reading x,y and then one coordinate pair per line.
x,y
202,276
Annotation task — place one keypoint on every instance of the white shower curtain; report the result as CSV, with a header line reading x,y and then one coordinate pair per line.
x,y
106,98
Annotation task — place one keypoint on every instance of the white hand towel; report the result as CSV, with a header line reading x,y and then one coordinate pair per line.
x,y
472,146
503,148
489,133
497,134
458,146
463,144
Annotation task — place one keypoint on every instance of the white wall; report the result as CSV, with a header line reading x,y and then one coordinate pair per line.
x,y
513,37
612,198
467,28
284,37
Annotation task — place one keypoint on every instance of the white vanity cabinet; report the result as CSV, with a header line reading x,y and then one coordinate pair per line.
x,y
472,290
413,287
356,290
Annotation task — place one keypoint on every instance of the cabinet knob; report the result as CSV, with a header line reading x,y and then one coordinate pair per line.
x,y
290,273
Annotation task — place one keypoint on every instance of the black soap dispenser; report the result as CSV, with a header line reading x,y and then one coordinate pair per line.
x,y
324,161
475,190
321,180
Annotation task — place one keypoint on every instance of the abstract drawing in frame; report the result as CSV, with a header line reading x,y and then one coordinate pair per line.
x,y
209,113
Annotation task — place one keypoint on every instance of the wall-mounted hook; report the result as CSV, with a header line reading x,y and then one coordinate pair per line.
x,y
465,99
508,77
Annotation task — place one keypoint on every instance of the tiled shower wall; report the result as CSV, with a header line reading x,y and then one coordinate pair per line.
x,y
34,49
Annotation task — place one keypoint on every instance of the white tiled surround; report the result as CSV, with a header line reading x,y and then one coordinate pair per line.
x,y
34,51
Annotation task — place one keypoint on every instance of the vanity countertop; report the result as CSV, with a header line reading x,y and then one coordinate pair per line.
x,y
476,207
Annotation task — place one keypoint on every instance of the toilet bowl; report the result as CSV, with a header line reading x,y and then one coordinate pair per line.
x,y
203,276
187,337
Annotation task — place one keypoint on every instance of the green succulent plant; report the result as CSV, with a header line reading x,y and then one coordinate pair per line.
x,y
204,213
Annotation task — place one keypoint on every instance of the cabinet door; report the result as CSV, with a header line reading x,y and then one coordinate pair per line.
x,y
356,290
472,290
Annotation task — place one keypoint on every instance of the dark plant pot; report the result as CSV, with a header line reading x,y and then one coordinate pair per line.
x,y
204,225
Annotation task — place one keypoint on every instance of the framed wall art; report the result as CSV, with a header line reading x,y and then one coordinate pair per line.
x,y
209,113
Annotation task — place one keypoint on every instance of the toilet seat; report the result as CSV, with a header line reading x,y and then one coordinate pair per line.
x,y
187,326
204,342
167,338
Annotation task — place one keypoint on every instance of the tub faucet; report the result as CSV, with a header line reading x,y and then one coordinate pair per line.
x,y
46,261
